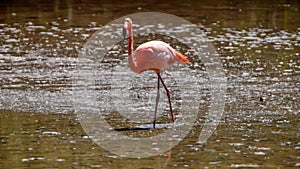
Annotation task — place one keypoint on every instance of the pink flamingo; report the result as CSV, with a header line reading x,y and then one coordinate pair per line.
x,y
152,55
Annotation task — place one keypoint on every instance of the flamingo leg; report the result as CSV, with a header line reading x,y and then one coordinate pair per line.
x,y
168,94
156,105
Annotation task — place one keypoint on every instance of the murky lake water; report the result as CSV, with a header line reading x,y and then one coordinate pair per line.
x,y
259,47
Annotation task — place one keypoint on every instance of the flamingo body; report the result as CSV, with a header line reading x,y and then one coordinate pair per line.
x,y
155,55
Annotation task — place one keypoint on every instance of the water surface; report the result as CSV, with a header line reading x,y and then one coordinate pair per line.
x,y
258,43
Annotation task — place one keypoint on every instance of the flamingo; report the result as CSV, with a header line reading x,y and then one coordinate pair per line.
x,y
153,55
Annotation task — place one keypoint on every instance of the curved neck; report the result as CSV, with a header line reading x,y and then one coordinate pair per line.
x,y
131,61
130,40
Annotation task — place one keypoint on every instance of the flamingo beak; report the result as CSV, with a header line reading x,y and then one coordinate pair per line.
x,y
124,32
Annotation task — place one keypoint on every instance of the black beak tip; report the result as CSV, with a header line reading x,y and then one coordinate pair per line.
x,y
124,32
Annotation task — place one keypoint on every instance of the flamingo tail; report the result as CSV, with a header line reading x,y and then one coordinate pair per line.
x,y
182,58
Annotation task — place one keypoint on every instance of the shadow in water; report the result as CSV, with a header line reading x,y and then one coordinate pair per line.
x,y
143,127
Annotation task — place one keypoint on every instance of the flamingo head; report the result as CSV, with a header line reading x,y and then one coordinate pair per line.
x,y
127,27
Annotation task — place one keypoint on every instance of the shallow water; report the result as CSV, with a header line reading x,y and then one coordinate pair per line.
x,y
258,44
